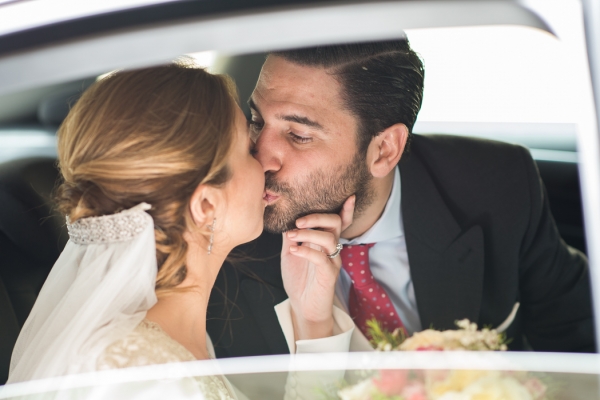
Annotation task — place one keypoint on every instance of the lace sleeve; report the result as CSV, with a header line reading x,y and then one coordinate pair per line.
x,y
148,344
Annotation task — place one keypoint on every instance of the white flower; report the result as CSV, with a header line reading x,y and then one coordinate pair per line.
x,y
454,396
463,324
497,388
360,391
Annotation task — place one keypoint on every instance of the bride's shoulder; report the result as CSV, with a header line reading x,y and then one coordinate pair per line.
x,y
147,344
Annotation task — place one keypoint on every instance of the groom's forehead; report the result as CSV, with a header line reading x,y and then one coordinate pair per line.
x,y
277,69
284,81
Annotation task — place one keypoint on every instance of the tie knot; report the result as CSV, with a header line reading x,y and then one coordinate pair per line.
x,y
355,261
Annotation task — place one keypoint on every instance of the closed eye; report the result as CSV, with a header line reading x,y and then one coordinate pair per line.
x,y
256,127
299,139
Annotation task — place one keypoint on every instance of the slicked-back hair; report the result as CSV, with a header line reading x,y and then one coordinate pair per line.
x,y
382,82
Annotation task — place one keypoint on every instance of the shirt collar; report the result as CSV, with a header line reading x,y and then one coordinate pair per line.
x,y
389,225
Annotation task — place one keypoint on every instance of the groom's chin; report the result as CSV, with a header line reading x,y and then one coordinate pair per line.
x,y
277,222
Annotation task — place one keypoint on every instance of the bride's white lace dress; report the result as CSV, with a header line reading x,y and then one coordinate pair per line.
x,y
149,344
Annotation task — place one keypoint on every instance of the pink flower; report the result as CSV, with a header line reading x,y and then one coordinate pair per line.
x,y
535,387
414,391
420,374
434,375
429,348
391,381
520,376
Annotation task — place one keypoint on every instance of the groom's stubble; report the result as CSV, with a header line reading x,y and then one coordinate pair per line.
x,y
318,192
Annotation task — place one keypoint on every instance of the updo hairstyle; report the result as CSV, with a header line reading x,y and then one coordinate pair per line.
x,y
149,135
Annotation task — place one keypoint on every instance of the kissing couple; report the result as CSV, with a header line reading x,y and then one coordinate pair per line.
x,y
163,177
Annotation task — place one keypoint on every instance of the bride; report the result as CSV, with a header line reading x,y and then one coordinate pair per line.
x,y
159,185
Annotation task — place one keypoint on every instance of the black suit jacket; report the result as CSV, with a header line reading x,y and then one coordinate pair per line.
x,y
480,237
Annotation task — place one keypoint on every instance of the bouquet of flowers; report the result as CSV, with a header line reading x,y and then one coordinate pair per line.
x,y
466,337
446,385
443,385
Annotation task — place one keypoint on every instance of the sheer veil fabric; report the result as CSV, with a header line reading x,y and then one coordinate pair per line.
x,y
97,292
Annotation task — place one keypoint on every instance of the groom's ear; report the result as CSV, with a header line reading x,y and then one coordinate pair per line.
x,y
385,150
203,205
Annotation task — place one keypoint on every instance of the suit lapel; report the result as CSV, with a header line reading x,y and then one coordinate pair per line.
x,y
263,289
262,299
446,261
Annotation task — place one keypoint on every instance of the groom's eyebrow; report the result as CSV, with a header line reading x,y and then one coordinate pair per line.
x,y
299,119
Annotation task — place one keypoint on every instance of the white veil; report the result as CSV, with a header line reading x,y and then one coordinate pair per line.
x,y
97,292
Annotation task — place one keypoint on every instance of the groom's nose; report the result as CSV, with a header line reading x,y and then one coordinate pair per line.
x,y
269,150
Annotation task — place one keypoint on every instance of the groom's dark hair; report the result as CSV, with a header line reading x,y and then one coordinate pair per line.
x,y
382,82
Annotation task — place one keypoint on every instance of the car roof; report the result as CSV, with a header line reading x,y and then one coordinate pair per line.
x,y
93,44
56,20
23,24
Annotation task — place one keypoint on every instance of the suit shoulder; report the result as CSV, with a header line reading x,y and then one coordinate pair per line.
x,y
458,146
476,172
468,153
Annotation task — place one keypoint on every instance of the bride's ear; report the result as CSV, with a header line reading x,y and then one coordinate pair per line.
x,y
203,205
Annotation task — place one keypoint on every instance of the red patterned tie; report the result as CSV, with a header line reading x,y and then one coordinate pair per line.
x,y
368,299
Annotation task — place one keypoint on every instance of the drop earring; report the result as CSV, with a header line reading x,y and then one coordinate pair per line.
x,y
211,228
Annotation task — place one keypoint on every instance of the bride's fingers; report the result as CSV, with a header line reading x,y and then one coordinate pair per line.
x,y
347,213
330,222
316,257
285,247
326,240
326,222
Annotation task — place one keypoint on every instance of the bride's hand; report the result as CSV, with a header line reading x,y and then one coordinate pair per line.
x,y
309,276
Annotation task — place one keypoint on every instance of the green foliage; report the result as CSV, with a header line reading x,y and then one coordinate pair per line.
x,y
382,339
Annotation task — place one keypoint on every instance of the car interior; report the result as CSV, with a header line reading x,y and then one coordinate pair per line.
x,y
28,220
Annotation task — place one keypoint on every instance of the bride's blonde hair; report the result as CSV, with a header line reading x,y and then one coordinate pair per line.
x,y
150,135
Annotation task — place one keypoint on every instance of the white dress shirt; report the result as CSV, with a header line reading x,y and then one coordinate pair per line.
x,y
388,260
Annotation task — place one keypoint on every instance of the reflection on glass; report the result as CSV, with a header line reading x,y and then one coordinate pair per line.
x,y
376,376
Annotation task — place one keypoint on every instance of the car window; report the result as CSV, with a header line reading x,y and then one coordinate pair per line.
x,y
20,142
509,83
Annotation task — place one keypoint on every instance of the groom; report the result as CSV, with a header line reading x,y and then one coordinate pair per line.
x,y
447,227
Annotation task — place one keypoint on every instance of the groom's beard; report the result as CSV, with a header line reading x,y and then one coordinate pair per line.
x,y
320,192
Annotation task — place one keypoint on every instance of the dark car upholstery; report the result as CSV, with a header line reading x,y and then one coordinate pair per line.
x,y
31,238
564,193
8,333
